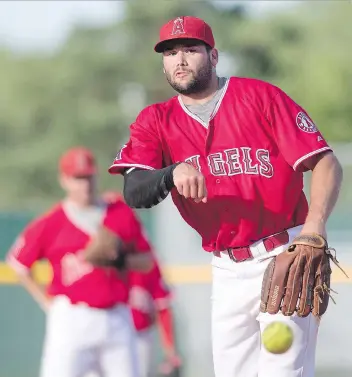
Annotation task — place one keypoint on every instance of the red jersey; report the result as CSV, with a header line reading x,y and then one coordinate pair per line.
x,y
148,293
250,153
60,237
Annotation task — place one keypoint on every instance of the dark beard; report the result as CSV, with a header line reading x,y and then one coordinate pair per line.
x,y
198,84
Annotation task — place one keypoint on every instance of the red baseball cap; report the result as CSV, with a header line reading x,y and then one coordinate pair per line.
x,y
185,27
77,162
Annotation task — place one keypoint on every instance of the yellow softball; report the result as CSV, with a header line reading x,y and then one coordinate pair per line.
x,y
277,337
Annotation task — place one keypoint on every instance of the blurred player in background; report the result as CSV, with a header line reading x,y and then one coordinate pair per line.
x,y
89,324
150,302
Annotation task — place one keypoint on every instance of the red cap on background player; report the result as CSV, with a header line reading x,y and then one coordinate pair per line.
x,y
77,162
186,27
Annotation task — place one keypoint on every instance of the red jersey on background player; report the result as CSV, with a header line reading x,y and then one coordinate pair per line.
x,y
232,153
81,300
150,303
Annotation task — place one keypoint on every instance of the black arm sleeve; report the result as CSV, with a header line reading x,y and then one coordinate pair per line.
x,y
147,188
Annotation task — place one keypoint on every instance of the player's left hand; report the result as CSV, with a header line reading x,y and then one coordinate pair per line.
x,y
298,279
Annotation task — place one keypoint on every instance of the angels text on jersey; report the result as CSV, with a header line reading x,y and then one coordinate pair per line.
x,y
234,161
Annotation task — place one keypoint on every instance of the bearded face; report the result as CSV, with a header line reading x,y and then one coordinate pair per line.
x,y
188,68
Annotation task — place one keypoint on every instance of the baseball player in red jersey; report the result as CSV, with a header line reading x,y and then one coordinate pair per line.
x,y
150,303
89,325
232,152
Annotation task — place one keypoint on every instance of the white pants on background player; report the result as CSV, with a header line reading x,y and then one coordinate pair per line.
x,y
237,323
80,339
145,349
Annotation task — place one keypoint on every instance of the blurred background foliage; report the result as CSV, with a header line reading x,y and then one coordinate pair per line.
x,y
92,88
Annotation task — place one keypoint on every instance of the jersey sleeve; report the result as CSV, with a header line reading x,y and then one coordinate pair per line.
x,y
159,289
123,221
28,247
297,136
143,149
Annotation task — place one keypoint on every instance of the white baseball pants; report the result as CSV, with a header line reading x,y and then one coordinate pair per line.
x,y
80,340
237,323
145,351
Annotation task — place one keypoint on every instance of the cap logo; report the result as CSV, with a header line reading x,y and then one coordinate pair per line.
x,y
178,27
81,162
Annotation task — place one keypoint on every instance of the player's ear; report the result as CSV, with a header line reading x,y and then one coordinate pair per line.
x,y
62,181
214,57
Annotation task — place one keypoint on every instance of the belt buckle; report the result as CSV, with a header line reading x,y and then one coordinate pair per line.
x,y
232,257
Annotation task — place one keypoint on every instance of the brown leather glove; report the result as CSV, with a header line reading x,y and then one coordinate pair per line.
x,y
106,249
298,280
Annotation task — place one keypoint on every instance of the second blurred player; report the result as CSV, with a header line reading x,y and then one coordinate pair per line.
x,y
150,302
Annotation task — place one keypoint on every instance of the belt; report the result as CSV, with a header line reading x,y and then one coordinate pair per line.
x,y
241,254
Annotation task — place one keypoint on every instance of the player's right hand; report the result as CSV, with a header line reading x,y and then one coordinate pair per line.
x,y
169,365
190,183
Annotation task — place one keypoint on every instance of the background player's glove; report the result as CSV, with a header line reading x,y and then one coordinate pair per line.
x,y
298,280
106,249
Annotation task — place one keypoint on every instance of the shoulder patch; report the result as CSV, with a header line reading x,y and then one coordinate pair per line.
x,y
305,124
